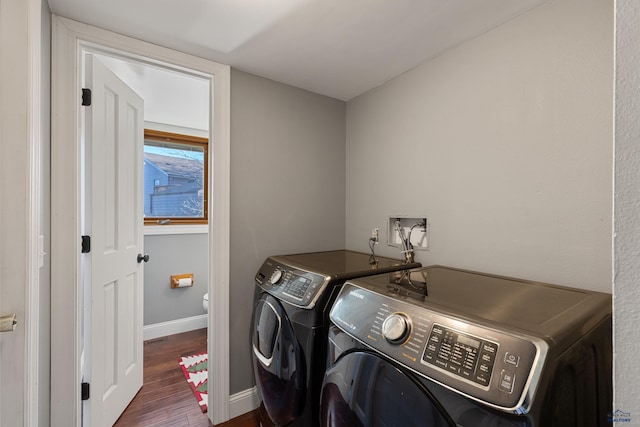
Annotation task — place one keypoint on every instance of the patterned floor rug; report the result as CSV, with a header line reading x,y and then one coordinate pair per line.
x,y
194,369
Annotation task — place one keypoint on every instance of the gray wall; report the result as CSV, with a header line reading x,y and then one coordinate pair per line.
x,y
170,255
626,292
504,143
287,189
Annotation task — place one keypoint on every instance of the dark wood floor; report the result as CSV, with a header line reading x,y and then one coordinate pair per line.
x,y
166,398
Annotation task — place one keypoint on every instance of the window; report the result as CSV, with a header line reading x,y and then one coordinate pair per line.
x,y
176,175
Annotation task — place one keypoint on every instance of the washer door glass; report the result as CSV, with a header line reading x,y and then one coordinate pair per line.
x,y
363,389
276,359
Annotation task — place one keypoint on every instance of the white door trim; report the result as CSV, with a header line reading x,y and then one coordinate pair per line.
x,y
32,303
68,39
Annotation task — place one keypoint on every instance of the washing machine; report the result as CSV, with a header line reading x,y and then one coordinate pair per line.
x,y
293,295
440,346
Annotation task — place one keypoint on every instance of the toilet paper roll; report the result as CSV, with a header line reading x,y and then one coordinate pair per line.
x,y
184,282
8,323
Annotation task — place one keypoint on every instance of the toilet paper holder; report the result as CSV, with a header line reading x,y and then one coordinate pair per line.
x,y
8,323
181,280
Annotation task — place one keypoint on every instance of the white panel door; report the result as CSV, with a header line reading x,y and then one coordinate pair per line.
x,y
114,145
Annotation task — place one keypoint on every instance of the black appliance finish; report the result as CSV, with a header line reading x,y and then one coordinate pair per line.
x,y
439,346
290,322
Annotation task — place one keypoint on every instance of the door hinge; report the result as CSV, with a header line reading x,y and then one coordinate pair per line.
x,y
85,391
86,244
86,97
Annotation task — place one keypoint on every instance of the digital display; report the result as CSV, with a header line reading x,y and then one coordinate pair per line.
x,y
463,339
302,280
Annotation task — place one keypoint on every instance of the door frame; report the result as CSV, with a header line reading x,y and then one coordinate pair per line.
x,y
69,39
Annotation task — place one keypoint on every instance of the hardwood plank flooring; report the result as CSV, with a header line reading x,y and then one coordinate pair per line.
x,y
165,399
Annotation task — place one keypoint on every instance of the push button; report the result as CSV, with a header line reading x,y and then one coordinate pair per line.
x,y
507,380
489,348
482,379
511,359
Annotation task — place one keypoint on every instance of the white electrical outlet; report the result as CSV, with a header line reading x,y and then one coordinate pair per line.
x,y
375,234
415,228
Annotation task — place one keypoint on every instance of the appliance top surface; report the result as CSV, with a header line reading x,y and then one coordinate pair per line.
x,y
342,264
532,306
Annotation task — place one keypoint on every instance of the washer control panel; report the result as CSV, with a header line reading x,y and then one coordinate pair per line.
x,y
497,367
298,287
465,355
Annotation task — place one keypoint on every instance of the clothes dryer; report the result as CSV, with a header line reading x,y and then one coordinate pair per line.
x,y
293,295
443,347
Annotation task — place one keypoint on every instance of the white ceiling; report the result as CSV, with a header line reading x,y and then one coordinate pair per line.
x,y
338,48
170,98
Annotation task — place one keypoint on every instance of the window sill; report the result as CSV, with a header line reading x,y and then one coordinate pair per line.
x,y
160,230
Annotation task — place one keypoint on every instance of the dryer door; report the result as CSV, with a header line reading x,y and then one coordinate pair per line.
x,y
277,361
363,389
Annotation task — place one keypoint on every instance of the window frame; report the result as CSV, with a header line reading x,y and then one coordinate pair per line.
x,y
187,140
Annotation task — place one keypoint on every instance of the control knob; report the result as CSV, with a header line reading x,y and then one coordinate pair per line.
x,y
276,276
396,328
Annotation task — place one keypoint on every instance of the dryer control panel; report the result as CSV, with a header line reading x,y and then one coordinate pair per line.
x,y
497,367
295,286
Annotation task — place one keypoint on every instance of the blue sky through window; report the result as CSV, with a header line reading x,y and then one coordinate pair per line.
x,y
175,152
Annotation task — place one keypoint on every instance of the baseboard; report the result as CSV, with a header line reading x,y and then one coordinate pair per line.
x,y
243,402
157,330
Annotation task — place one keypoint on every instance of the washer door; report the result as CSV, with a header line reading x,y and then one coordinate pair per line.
x,y
363,389
278,368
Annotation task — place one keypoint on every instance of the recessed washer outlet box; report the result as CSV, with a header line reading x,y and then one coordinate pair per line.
x,y
417,227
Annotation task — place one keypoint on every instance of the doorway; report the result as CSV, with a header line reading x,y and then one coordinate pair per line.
x,y
70,40
175,233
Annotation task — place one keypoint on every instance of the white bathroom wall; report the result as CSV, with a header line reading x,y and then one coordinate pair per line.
x,y
504,143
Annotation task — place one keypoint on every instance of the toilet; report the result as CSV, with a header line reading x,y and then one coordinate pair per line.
x,y
205,302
